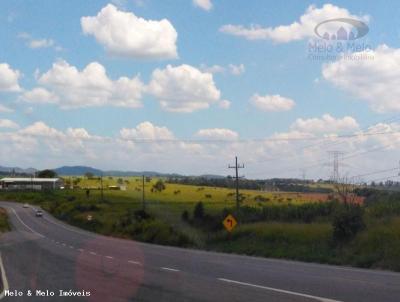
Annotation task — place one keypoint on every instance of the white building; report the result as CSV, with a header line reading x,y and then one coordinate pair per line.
x,y
13,183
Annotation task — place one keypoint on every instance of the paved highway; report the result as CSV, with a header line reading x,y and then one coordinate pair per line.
x,y
46,254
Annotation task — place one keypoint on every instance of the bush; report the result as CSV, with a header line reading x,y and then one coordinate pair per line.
x,y
185,215
198,212
347,222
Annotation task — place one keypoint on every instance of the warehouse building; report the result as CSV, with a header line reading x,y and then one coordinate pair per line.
x,y
39,184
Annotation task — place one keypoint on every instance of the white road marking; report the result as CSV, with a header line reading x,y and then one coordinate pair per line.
x,y
109,257
3,278
20,220
67,228
81,250
71,247
93,253
321,299
134,262
170,269
64,244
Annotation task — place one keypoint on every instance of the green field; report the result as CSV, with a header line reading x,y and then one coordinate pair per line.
x,y
306,227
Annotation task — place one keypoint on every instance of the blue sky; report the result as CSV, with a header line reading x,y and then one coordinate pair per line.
x,y
268,67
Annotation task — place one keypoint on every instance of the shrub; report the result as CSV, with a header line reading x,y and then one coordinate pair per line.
x,y
198,212
347,222
185,215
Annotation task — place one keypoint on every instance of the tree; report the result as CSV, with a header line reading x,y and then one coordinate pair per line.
x,y
89,175
159,186
47,174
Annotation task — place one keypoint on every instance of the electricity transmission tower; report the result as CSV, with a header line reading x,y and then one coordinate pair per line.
x,y
336,162
237,167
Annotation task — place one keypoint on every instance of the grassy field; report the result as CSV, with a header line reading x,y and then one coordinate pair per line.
x,y
271,224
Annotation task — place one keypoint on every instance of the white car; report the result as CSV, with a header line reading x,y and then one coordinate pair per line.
x,y
26,205
39,213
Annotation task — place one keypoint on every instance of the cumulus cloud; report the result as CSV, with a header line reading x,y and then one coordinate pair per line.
x,y
40,96
325,124
71,88
374,79
224,104
5,123
146,131
124,34
218,133
183,88
9,78
203,4
298,30
272,102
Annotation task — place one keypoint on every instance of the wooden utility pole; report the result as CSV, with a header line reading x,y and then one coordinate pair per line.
x,y
143,196
237,167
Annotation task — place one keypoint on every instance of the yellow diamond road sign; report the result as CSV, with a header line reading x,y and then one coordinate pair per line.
x,y
229,223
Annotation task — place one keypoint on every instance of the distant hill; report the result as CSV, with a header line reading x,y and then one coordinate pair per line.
x,y
76,170
17,170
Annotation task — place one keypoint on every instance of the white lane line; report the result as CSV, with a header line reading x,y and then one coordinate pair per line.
x,y
81,250
20,220
71,247
321,299
93,253
64,244
109,257
134,262
3,278
67,228
169,269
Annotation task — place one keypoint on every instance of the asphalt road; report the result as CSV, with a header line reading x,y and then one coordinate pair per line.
x,y
47,255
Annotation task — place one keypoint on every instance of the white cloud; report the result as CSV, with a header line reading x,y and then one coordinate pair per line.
x,y
237,69
72,88
298,30
35,43
124,34
326,124
9,78
218,134
231,68
374,79
5,109
4,123
39,95
147,131
40,129
203,4
183,88
272,102
212,69
224,104
41,43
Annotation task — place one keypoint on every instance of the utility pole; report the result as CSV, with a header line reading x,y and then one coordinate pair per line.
x,y
237,167
143,197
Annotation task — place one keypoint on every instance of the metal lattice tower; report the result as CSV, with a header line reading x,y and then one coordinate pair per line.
x,y
336,162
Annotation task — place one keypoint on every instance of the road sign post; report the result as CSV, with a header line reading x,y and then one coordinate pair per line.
x,y
229,223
